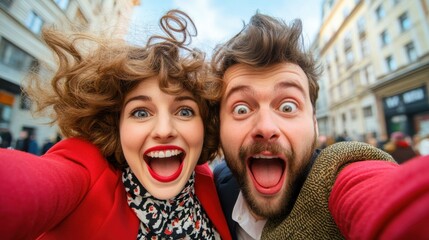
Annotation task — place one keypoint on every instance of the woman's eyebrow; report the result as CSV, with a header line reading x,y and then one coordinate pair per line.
x,y
139,97
184,98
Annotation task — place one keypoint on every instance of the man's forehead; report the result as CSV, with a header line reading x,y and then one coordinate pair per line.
x,y
281,72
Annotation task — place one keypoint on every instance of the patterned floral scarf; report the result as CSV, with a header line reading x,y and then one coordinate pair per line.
x,y
181,217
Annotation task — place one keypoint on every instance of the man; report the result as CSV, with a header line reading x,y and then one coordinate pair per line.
x,y
281,185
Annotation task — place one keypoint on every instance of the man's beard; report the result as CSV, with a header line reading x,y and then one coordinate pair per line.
x,y
296,177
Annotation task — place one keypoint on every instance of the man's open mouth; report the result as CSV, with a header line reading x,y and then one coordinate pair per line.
x,y
164,165
267,173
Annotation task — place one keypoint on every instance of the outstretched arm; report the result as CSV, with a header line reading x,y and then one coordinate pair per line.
x,y
379,200
38,192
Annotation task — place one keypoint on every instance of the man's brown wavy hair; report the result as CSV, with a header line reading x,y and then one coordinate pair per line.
x,y
86,94
263,42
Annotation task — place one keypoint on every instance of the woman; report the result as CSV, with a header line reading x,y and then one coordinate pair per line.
x,y
138,136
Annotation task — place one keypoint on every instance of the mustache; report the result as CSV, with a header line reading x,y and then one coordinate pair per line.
x,y
258,147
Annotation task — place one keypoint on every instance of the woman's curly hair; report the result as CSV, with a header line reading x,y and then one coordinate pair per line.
x,y
86,94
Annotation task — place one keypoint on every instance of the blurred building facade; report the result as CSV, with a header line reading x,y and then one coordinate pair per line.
x,y
21,48
375,55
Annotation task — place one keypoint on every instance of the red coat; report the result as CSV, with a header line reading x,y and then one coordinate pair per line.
x,y
72,192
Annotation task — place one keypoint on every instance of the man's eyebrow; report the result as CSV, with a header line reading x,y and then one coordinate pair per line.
x,y
280,85
239,88
289,84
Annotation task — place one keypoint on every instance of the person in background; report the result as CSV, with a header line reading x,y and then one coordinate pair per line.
x,y
49,142
371,139
5,137
23,141
138,135
27,142
423,144
275,183
400,149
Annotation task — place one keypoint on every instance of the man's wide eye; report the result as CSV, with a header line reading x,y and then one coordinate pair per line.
x,y
241,109
288,107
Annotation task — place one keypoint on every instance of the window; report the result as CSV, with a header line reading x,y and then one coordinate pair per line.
x,y
344,91
379,12
353,114
63,4
385,38
34,23
348,40
25,103
6,3
390,63
336,55
351,83
355,80
346,12
404,22
361,25
369,76
336,93
332,93
35,65
367,111
349,57
364,47
13,56
411,52
328,70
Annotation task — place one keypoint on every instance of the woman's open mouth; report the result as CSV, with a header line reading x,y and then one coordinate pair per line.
x,y
164,163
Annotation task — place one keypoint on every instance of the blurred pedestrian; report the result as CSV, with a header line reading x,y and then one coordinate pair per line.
x,y
423,145
371,139
400,149
5,138
49,142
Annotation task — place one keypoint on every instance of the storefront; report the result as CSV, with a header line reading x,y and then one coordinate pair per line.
x,y
407,111
8,91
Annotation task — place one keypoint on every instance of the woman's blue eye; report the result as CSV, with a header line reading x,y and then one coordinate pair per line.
x,y
241,109
140,114
186,112
288,107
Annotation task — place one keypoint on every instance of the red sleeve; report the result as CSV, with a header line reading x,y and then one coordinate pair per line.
x,y
380,200
206,192
38,192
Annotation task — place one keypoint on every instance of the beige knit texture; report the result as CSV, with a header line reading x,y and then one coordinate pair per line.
x,y
310,217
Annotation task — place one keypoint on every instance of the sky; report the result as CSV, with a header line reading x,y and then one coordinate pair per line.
x,y
218,20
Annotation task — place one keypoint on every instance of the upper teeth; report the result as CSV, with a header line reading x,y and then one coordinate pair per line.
x,y
163,154
264,156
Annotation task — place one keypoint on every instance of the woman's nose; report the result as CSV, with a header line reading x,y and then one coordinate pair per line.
x,y
164,128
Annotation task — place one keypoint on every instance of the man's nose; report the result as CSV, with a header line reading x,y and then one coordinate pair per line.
x,y
266,127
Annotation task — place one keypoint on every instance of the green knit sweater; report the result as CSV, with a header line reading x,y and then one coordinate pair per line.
x,y
310,217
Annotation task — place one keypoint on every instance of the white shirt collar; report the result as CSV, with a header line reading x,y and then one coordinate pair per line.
x,y
248,227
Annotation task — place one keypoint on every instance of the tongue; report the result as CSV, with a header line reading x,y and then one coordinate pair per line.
x,y
165,166
267,172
